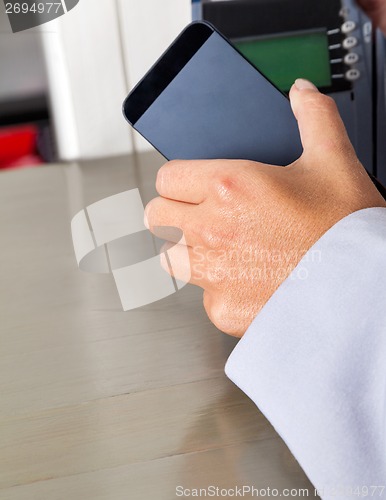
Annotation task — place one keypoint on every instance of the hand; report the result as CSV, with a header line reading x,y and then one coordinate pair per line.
x,y
247,225
376,10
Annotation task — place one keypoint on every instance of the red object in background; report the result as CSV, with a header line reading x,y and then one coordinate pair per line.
x,y
18,146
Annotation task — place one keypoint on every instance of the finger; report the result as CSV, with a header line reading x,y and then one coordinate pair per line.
x,y
175,259
186,264
186,180
321,128
163,213
227,317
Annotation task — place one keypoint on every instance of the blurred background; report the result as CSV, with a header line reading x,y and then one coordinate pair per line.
x,y
62,84
24,115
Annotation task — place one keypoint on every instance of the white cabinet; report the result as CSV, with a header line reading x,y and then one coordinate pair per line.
x,y
94,55
87,81
21,63
148,27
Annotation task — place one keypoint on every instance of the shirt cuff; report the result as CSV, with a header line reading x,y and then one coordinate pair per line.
x,y
314,359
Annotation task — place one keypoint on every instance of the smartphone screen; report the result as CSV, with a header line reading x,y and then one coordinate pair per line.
x,y
204,100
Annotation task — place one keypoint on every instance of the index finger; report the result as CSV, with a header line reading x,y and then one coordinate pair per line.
x,y
185,180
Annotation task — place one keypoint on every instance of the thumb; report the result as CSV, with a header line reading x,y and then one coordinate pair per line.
x,y
321,128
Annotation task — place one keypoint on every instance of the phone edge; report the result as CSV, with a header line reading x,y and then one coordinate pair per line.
x,y
159,61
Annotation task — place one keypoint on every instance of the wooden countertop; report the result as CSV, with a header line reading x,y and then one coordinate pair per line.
x,y
101,404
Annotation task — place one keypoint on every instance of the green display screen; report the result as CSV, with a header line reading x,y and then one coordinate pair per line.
x,y
285,58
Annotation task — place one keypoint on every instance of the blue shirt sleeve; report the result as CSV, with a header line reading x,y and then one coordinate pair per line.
x,y
314,359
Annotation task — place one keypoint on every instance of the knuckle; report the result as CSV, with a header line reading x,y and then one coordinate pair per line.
x,y
226,179
218,314
225,186
231,178
328,103
212,237
163,174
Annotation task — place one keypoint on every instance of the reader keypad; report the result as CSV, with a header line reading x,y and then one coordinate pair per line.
x,y
352,74
350,42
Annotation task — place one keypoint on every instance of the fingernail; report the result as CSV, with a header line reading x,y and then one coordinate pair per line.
x,y
302,84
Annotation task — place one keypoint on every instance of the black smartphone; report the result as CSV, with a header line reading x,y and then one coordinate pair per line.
x,y
203,99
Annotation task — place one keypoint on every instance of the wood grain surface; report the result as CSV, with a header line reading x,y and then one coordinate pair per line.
x,y
100,404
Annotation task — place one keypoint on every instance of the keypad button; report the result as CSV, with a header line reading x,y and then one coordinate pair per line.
x,y
352,75
351,58
350,42
348,27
